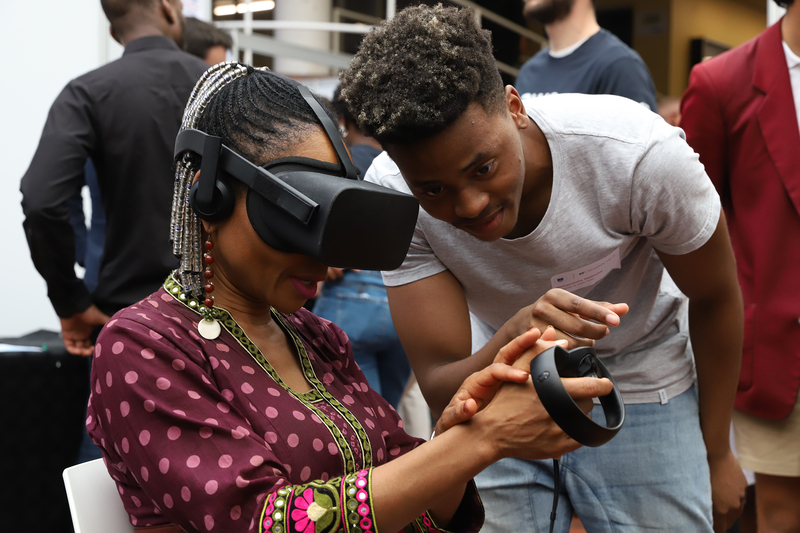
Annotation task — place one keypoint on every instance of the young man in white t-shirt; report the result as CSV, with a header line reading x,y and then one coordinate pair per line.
x,y
533,214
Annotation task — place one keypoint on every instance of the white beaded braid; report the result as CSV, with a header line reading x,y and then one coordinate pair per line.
x,y
185,226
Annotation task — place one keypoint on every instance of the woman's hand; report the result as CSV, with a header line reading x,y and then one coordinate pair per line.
x,y
577,320
511,365
516,423
479,388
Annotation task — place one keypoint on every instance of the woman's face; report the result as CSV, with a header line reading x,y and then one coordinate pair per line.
x,y
248,273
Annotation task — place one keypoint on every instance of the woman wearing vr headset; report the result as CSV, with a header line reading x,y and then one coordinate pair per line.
x,y
220,404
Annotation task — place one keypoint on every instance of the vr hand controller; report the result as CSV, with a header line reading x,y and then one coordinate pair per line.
x,y
546,370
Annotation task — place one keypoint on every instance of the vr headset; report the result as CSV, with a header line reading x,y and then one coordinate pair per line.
x,y
305,206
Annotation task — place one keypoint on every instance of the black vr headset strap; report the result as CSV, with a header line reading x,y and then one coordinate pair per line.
x,y
263,182
208,170
351,172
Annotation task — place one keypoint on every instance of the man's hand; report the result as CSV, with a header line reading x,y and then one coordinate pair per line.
x,y
574,318
77,330
728,485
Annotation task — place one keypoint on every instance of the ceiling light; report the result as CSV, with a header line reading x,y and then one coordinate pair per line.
x,y
232,9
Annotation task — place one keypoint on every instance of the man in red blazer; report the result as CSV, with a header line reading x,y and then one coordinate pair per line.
x,y
740,114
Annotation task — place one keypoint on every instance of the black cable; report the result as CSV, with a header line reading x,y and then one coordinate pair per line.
x,y
556,488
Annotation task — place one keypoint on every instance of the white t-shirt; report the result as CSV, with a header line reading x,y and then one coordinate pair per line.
x,y
624,182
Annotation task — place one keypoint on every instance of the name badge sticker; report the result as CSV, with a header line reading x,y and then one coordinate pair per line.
x,y
588,275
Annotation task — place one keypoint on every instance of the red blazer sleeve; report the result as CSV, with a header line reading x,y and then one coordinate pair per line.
x,y
702,120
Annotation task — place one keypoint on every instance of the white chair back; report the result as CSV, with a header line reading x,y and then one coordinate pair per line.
x,y
94,501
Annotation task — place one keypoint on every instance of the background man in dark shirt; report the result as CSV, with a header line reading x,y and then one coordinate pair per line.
x,y
125,116
206,41
582,57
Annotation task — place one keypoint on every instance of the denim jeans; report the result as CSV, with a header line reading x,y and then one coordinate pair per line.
x,y
653,476
357,303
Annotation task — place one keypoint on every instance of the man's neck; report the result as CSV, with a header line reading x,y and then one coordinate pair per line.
x,y
139,32
790,28
579,25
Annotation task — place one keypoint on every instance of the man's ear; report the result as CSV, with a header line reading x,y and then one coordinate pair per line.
x,y
515,107
168,11
113,33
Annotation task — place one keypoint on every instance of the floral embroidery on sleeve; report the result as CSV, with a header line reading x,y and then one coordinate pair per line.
x,y
340,505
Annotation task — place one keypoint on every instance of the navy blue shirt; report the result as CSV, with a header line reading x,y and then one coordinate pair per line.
x,y
601,65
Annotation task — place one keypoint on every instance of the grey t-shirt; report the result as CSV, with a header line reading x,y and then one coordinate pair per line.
x,y
624,183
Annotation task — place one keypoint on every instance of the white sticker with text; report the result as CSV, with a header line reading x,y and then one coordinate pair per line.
x,y
588,275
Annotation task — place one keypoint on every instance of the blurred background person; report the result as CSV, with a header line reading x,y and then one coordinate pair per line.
x,y
206,41
124,116
581,56
356,301
741,114
670,110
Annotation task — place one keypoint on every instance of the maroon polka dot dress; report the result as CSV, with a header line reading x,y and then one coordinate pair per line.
x,y
205,435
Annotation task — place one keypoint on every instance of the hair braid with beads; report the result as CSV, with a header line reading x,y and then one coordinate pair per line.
x,y
258,114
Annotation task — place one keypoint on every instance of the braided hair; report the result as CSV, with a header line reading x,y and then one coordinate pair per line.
x,y
258,114
414,75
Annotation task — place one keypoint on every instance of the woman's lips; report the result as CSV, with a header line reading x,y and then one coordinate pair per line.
x,y
306,287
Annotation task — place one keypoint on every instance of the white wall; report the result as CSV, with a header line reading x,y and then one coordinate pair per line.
x,y
45,44
774,12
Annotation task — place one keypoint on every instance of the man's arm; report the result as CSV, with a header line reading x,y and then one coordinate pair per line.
x,y
432,320
708,278
55,173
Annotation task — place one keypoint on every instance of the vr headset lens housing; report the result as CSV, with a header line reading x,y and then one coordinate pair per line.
x,y
315,208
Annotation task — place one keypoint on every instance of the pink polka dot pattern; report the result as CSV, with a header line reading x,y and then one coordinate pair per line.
x,y
216,421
